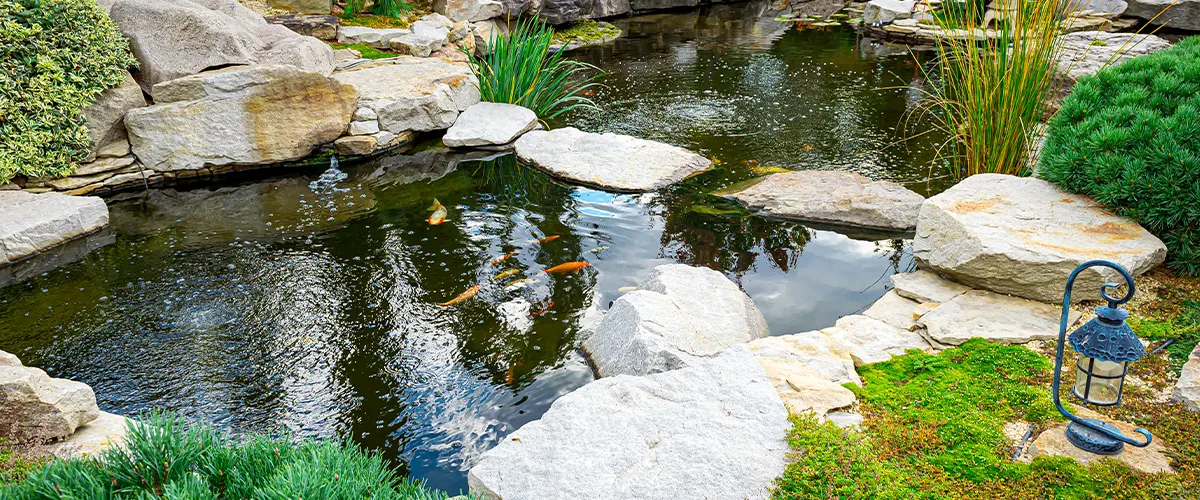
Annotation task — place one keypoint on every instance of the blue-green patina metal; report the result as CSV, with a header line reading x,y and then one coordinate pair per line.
x,y
1105,338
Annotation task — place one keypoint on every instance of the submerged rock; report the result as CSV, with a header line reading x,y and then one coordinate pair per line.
x,y
1023,236
489,124
32,223
413,94
834,197
1187,388
1086,52
678,316
713,430
176,38
239,116
993,317
608,161
35,407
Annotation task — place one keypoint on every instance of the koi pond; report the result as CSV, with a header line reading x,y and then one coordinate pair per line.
x,y
310,302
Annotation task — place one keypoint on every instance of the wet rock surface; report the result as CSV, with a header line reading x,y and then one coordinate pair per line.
x,y
834,197
608,161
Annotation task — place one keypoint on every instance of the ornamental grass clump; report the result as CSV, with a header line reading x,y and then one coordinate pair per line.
x,y
166,457
993,93
56,57
520,69
1129,137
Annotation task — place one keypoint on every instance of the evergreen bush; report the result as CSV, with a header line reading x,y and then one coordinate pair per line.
x,y
56,56
1129,137
165,457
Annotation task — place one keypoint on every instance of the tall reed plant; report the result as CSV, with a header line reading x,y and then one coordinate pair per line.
x,y
519,68
994,91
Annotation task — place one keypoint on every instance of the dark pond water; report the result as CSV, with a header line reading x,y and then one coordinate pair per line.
x,y
310,302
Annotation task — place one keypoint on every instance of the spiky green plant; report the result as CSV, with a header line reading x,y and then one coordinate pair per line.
x,y
519,68
165,457
389,8
1129,137
994,92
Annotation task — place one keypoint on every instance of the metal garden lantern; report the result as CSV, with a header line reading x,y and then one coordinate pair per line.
x,y
1106,346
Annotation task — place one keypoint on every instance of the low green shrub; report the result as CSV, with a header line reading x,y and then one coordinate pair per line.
x,y
165,457
56,56
519,69
1129,137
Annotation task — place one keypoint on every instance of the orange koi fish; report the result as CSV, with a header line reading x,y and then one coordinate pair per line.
x,y
467,295
543,310
439,213
548,239
506,274
502,258
569,267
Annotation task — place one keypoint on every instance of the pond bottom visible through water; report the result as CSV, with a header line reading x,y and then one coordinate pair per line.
x,y
310,302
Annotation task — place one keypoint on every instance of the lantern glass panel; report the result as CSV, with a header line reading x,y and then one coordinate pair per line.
x,y
1099,382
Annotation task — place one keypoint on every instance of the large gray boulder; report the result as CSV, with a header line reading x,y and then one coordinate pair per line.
x,y
242,115
490,124
886,11
609,161
564,11
32,223
35,407
469,10
679,315
1086,52
1182,14
834,197
414,94
176,38
1023,236
1187,388
713,430
105,118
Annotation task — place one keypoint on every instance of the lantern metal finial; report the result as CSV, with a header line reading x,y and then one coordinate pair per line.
x,y
1106,346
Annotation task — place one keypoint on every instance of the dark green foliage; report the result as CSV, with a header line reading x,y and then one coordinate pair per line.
x,y
1129,137
519,69
389,8
170,459
56,56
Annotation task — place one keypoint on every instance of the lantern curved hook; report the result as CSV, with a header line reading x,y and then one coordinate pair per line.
x,y
1062,340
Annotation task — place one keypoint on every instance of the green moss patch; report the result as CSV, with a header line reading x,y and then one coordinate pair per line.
x,y
934,429
367,51
585,31
14,465
382,22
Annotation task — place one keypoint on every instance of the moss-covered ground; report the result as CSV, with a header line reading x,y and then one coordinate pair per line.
x,y
367,51
934,424
585,31
16,464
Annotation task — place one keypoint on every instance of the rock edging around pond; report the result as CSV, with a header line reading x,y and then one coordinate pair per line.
x,y
834,197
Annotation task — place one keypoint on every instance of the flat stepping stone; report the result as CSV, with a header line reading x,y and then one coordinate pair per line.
x,y
894,310
819,352
869,340
611,162
993,317
490,124
1149,460
834,197
33,223
679,315
1023,236
804,390
712,430
924,286
1187,388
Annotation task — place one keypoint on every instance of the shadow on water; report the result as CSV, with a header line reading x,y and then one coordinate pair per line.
x,y
311,302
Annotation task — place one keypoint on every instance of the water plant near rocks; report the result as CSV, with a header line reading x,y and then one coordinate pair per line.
x,y
389,8
519,69
1129,137
166,457
993,93
56,56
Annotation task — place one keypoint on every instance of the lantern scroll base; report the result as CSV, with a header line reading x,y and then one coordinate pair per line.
x,y
1095,442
